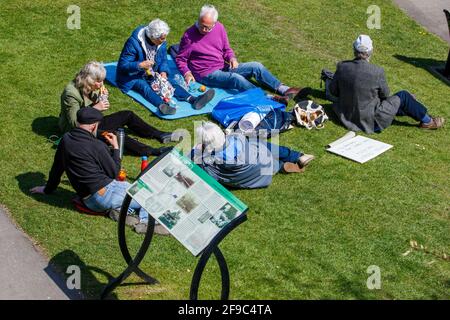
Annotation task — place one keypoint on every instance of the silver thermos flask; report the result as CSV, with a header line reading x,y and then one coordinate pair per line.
x,y
121,140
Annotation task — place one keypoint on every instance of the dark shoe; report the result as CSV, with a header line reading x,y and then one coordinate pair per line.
x,y
281,99
166,109
159,229
435,123
158,151
302,94
289,167
201,101
131,220
292,92
165,137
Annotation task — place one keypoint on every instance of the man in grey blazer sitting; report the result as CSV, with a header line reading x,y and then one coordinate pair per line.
x,y
364,102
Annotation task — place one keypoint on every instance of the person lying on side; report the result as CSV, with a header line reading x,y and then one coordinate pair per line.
x,y
364,101
239,162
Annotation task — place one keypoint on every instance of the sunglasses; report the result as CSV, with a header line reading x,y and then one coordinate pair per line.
x,y
205,28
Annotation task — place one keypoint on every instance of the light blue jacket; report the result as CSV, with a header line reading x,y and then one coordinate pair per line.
x,y
242,164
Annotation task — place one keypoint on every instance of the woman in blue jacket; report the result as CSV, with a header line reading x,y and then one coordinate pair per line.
x,y
144,53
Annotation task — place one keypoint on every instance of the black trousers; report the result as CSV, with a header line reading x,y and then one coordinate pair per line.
x,y
133,122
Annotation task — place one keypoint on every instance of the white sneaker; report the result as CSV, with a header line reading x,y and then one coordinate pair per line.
x,y
305,159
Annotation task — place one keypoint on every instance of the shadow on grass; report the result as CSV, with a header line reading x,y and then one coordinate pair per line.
x,y
332,116
318,94
430,65
45,126
90,286
396,122
60,198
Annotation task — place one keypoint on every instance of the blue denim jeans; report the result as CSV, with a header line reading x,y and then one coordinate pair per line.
x,y
144,88
411,107
283,154
239,78
113,198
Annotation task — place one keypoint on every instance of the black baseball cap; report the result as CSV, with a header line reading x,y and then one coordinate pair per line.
x,y
89,115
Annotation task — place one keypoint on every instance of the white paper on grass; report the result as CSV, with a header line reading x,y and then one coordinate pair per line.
x,y
358,148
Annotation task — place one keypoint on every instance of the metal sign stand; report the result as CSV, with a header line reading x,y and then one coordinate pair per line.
x,y
133,263
447,65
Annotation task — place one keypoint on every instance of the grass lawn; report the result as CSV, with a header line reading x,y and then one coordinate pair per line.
x,y
309,236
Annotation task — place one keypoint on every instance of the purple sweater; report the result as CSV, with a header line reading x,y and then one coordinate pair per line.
x,y
204,54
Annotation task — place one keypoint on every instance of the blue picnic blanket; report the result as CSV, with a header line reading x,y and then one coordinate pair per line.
x,y
184,109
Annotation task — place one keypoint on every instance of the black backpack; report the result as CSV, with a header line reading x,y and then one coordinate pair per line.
x,y
326,76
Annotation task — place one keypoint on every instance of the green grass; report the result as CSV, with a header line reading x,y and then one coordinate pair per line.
x,y
308,236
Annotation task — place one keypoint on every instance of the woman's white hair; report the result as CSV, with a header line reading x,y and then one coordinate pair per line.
x,y
156,29
210,136
209,9
92,72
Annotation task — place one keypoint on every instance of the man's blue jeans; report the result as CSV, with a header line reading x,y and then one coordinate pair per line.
x,y
239,78
411,107
144,88
283,154
113,198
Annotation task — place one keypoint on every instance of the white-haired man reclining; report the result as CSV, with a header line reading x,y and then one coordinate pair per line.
x,y
240,162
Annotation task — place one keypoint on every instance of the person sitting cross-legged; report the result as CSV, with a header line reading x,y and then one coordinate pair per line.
x,y
144,53
205,56
91,167
364,102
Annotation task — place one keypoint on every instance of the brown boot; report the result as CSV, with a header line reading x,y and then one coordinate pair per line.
x,y
281,99
435,123
297,93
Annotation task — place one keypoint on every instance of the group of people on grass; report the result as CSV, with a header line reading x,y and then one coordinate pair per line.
x,y
91,159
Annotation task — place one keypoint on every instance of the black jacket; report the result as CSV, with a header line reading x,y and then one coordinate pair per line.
x,y
87,161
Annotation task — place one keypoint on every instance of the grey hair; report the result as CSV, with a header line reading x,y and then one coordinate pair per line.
x,y
209,9
92,72
363,55
211,136
156,29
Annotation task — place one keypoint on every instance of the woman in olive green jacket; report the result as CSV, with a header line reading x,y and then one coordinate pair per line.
x,y
87,91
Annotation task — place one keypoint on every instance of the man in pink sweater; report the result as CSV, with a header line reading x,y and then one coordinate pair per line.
x,y
205,56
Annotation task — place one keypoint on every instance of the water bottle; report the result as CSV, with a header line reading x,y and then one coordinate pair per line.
x,y
144,163
104,95
178,79
121,140
172,103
